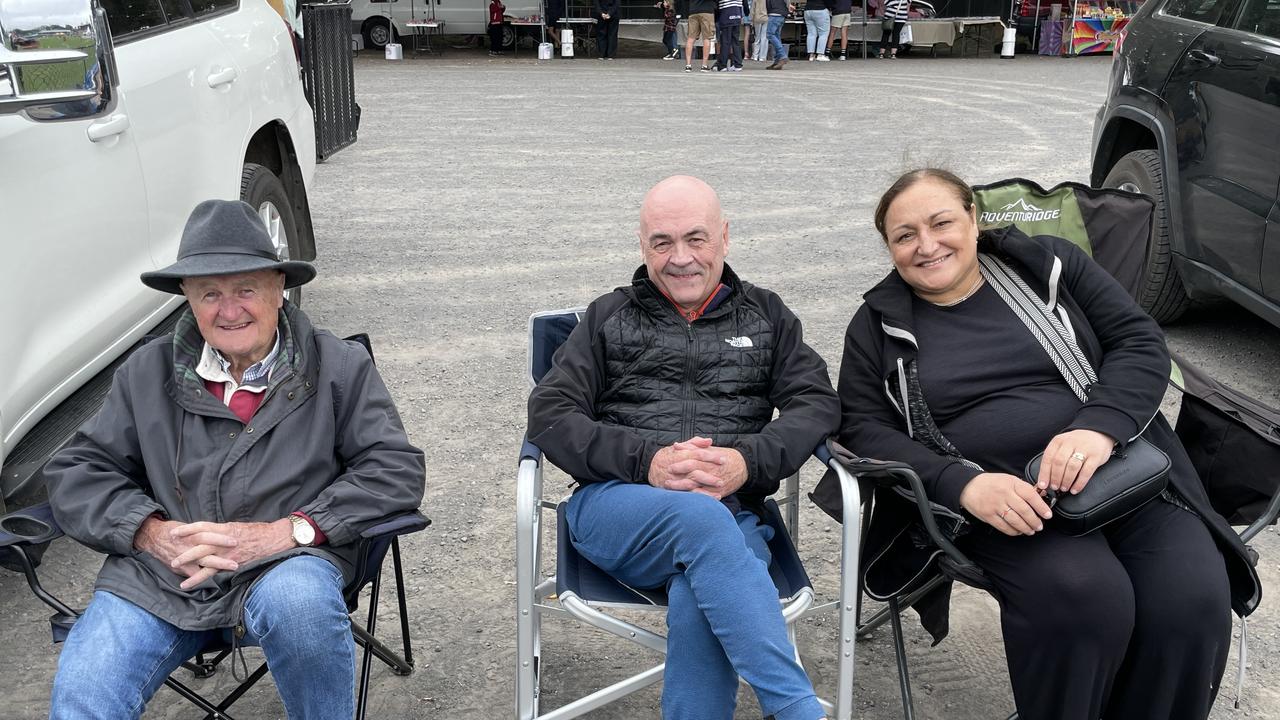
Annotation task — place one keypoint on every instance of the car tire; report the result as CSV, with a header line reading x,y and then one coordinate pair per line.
x,y
377,32
263,190
1162,294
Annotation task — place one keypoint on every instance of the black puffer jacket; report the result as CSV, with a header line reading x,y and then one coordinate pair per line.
x,y
635,376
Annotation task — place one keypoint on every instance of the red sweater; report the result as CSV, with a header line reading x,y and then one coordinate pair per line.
x,y
496,10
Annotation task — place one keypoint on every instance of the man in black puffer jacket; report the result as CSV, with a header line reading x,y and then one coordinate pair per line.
x,y
660,405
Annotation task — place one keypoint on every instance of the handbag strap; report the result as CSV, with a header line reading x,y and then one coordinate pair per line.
x,y
1045,326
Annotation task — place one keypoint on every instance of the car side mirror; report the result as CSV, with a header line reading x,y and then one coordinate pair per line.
x,y
57,61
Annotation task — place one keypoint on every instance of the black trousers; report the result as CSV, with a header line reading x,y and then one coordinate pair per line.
x,y
1131,622
495,38
891,39
729,45
607,37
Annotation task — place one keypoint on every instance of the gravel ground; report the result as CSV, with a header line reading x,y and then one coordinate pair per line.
x,y
482,190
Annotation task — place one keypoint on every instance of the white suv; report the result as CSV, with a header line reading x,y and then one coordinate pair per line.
x,y
116,118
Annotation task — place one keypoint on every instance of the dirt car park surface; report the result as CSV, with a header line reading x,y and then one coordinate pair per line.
x,y
482,190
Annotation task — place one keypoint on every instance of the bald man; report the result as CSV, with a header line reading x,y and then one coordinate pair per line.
x,y
660,405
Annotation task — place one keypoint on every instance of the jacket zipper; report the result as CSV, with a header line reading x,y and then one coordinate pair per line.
x,y
686,420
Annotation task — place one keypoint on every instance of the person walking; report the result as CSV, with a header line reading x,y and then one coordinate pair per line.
x,y
777,10
841,12
668,28
607,18
759,30
817,23
729,36
895,17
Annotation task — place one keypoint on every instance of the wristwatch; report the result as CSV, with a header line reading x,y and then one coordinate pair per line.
x,y
303,533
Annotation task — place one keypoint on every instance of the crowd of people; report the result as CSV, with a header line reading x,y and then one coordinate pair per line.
x,y
752,30
734,30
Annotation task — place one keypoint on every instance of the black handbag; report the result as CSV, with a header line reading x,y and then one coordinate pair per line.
x,y
1132,477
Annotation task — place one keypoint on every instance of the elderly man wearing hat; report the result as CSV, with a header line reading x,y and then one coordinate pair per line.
x,y
227,477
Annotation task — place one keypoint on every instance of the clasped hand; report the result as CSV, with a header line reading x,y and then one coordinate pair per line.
x,y
199,550
696,465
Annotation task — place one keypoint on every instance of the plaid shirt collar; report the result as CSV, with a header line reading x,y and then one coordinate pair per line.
x,y
213,366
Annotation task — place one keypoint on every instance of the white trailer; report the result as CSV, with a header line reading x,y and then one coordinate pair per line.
x,y
376,19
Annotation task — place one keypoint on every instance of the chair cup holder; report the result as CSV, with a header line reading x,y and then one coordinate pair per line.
x,y
24,527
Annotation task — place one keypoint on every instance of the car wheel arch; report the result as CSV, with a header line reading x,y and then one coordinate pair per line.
x,y
272,147
1130,128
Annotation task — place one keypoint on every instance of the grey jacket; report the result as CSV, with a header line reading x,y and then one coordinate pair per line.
x,y
327,441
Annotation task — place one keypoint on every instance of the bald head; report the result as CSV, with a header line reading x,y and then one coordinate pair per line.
x,y
684,239
680,193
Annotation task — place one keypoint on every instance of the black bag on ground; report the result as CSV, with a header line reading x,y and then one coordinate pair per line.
x,y
1233,441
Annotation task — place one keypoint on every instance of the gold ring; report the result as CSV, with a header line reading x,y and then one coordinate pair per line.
x,y
1077,456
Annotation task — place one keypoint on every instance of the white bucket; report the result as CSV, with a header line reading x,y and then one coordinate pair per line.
x,y
566,36
394,51
545,51
1006,45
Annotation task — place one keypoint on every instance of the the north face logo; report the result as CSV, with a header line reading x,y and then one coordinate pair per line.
x,y
1017,211
740,342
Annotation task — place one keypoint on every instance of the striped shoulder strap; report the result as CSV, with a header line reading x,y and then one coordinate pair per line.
x,y
1044,325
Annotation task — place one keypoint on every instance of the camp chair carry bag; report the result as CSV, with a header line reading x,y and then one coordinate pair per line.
x,y
1234,444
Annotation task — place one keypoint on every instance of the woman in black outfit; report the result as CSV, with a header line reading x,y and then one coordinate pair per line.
x,y
1131,621
608,16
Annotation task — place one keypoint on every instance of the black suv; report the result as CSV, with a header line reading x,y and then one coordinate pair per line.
x,y
1192,118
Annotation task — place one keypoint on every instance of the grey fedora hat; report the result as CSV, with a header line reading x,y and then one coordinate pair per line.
x,y
225,237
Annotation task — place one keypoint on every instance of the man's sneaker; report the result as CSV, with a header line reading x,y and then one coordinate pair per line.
x,y
688,68
843,56
669,56
823,58
705,69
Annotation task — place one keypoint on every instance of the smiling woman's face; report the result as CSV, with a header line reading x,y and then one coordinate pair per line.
x,y
933,240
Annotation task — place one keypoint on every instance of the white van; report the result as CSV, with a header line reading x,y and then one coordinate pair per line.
x,y
116,119
461,17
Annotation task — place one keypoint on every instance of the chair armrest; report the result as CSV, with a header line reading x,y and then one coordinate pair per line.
x,y
529,451
890,474
409,522
29,526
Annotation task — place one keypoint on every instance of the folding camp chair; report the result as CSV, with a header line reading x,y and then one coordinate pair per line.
x,y
581,590
24,535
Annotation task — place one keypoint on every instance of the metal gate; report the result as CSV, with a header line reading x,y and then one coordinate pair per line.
x,y
329,75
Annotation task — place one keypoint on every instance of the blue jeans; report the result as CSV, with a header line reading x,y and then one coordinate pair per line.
x,y
817,23
118,654
723,615
775,37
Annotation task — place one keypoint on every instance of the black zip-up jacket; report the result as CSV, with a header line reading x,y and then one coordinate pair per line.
x,y
635,376
1125,346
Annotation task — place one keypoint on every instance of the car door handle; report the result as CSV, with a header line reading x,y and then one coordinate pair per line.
x,y
226,76
1207,58
110,127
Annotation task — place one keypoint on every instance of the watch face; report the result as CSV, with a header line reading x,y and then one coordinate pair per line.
x,y
303,533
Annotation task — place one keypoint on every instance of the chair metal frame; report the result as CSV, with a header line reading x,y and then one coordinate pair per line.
x,y
378,540
537,596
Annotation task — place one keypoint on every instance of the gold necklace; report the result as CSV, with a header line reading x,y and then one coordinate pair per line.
x,y
976,284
